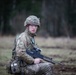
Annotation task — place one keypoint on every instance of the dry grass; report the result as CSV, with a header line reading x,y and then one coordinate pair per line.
x,y
57,42
6,42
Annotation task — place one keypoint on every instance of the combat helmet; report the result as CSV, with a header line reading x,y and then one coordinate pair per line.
x,y
33,20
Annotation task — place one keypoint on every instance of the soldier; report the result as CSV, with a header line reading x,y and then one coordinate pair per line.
x,y
26,41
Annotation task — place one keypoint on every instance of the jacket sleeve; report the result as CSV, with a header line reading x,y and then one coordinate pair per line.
x,y
21,52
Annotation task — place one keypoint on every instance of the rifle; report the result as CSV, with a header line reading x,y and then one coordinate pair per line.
x,y
36,53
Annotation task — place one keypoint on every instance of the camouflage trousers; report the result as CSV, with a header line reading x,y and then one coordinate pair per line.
x,y
39,69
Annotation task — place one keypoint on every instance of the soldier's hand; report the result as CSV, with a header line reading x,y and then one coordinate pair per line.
x,y
37,60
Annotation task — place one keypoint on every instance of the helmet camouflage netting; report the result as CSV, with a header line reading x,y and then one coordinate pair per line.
x,y
33,20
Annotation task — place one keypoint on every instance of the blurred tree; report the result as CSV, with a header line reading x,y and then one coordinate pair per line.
x,y
72,17
9,9
54,16
5,12
57,16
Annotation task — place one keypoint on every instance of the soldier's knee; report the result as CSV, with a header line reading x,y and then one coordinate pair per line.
x,y
45,65
49,64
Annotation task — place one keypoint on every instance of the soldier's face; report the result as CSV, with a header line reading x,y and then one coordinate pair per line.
x,y
33,29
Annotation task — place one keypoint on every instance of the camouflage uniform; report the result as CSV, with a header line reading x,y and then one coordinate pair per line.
x,y
26,41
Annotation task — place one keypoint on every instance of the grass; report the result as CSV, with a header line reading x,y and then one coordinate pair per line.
x,y
60,49
5,56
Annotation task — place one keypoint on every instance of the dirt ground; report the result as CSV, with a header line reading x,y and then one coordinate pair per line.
x,y
61,50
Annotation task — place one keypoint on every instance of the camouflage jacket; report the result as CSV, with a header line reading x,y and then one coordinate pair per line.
x,y
23,42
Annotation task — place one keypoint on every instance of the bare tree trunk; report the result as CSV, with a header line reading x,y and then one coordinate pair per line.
x,y
2,25
55,17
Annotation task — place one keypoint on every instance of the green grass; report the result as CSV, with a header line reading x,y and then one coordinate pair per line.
x,y
5,56
3,70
